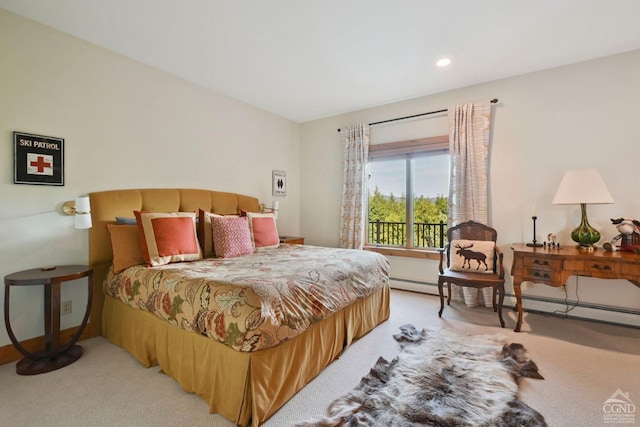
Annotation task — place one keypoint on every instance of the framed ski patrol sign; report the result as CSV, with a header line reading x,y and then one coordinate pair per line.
x,y
38,159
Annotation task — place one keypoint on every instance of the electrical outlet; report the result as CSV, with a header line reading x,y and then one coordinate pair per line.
x,y
66,307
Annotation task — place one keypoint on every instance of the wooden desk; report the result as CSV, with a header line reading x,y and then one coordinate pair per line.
x,y
554,266
54,355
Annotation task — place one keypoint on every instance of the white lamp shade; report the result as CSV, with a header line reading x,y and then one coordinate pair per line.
x,y
275,205
83,205
83,212
582,186
83,220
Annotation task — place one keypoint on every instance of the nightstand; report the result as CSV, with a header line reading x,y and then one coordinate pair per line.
x,y
293,240
54,355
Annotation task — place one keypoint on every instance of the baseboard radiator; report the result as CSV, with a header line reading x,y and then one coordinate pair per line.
x,y
621,316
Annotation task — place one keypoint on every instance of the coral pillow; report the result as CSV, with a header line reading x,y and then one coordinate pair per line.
x,y
231,236
125,244
264,233
168,237
475,256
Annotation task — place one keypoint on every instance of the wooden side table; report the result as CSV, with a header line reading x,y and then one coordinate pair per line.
x,y
55,355
293,240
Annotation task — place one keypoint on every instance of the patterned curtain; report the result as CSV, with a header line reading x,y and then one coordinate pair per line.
x,y
355,150
469,128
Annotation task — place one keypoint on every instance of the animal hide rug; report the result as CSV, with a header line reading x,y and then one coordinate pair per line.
x,y
440,379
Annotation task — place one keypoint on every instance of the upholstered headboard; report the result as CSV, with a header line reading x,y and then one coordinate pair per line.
x,y
107,205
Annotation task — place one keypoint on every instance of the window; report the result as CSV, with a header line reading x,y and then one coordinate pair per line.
x,y
408,193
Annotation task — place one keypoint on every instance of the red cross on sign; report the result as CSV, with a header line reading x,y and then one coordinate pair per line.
x,y
39,164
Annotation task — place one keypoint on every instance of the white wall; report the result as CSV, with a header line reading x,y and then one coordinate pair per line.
x,y
125,125
582,115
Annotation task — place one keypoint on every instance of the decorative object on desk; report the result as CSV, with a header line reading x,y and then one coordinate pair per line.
x,y
279,183
583,186
275,207
551,241
629,236
81,208
534,243
441,378
38,159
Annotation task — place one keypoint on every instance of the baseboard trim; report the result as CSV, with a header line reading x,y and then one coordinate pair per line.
x,y
619,316
9,353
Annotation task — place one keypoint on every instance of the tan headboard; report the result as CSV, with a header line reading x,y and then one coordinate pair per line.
x,y
107,205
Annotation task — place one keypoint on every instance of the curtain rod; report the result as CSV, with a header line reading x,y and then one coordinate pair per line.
x,y
493,101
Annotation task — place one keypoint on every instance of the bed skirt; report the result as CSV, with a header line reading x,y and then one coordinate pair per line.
x,y
243,387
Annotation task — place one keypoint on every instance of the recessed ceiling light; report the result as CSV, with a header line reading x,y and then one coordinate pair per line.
x,y
443,62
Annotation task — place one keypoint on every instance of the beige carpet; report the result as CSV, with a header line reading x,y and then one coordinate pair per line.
x,y
583,363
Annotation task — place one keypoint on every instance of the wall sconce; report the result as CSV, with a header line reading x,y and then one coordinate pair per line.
x,y
275,205
582,187
81,208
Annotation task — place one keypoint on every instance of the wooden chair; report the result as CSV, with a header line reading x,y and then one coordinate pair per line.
x,y
473,277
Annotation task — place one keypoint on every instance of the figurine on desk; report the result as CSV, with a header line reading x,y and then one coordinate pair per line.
x,y
629,236
551,242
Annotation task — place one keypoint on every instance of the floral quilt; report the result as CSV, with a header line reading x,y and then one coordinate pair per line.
x,y
255,301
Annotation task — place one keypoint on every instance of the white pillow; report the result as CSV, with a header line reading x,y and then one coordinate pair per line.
x,y
475,256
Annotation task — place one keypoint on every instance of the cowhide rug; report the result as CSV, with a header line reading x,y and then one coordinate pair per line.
x,y
440,379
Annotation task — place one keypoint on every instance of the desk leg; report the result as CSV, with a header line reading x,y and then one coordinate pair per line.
x,y
518,290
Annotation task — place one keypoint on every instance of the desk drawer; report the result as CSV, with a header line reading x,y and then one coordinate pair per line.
x,y
535,262
541,275
595,268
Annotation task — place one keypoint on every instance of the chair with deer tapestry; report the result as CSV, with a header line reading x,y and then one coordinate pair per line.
x,y
472,259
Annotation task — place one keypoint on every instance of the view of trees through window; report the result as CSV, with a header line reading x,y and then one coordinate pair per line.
x,y
418,184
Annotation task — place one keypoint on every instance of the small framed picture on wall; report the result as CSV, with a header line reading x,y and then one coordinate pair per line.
x,y
38,159
279,183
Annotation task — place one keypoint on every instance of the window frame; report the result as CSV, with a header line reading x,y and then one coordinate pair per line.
x,y
405,149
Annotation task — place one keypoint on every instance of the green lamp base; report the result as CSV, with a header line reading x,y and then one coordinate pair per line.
x,y
585,235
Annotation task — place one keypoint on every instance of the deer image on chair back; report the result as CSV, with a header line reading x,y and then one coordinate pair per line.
x,y
469,255
472,258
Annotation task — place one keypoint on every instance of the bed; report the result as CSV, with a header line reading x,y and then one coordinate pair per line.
x,y
246,377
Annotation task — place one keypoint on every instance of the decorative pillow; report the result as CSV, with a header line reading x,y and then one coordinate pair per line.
x,y
168,237
231,236
125,220
125,244
474,256
205,232
264,233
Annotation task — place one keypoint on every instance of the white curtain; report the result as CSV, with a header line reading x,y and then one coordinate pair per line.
x,y
355,150
469,131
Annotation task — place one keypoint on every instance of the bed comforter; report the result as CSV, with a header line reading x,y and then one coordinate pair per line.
x,y
255,301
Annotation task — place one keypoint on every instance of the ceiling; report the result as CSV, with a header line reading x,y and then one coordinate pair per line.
x,y
308,59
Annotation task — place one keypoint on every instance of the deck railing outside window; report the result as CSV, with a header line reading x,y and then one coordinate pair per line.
x,y
425,235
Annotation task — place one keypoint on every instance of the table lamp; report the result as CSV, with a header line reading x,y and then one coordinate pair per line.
x,y
583,186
